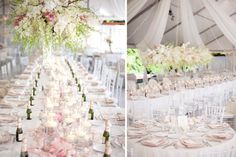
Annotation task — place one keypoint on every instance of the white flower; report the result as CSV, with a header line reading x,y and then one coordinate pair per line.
x,y
60,26
71,28
50,4
34,10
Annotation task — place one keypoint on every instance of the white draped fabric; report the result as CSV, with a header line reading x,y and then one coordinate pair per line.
x,y
189,27
134,7
119,8
157,27
223,21
113,9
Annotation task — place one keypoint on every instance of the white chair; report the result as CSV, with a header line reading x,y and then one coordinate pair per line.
x,y
85,61
131,82
111,81
215,113
3,64
97,68
119,86
104,74
121,66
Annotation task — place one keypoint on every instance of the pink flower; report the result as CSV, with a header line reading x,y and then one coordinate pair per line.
x,y
19,19
59,117
50,16
83,18
41,1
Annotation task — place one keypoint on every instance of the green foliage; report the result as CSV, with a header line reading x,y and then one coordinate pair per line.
x,y
134,62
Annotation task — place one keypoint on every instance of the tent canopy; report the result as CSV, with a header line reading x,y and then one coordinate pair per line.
x,y
109,9
210,33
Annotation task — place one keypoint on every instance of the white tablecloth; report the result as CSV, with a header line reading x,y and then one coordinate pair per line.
x,y
138,150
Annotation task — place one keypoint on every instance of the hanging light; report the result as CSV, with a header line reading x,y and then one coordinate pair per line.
x,y
170,12
172,15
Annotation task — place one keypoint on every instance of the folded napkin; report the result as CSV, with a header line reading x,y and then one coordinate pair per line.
x,y
136,134
121,117
5,137
13,102
15,92
153,142
5,103
218,126
138,124
189,143
6,118
161,134
108,102
221,136
23,77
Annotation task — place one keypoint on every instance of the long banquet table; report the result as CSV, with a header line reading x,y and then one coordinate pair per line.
x,y
142,107
17,106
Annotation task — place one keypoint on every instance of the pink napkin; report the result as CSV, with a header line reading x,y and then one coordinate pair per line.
x,y
136,134
218,126
153,142
221,136
188,143
138,124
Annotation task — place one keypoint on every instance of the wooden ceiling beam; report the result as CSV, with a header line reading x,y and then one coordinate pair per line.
x,y
195,13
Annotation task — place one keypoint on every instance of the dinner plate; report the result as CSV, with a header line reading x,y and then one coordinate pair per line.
x,y
161,134
116,131
173,136
99,147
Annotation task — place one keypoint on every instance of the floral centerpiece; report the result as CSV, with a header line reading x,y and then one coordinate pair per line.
x,y
48,24
184,58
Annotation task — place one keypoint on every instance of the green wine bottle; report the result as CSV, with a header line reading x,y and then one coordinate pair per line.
x,y
34,90
79,87
31,100
107,152
24,151
19,131
84,96
91,111
76,80
28,112
36,83
106,133
38,75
